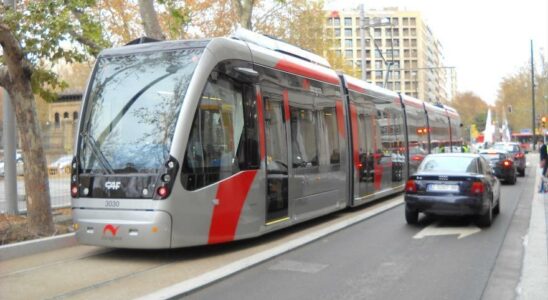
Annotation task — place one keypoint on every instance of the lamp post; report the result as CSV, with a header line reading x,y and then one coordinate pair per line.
x,y
10,141
363,27
533,98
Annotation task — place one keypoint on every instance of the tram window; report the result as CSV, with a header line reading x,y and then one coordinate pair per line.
x,y
328,139
221,143
303,138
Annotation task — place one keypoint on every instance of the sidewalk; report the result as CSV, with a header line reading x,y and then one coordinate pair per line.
x,y
534,273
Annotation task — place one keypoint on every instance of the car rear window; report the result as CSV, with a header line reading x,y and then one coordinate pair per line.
x,y
506,147
453,164
493,156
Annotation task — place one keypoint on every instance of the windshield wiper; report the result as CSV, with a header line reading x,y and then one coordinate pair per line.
x,y
89,141
108,129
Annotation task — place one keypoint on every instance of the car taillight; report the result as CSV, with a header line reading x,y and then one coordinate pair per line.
x,y
417,157
519,155
507,163
477,188
410,186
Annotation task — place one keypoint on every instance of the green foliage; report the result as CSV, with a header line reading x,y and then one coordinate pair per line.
x,y
515,91
178,16
480,120
52,32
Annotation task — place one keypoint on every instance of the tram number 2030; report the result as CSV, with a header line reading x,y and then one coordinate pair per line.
x,y
112,203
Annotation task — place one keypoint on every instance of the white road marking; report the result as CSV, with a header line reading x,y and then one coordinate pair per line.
x,y
297,266
435,230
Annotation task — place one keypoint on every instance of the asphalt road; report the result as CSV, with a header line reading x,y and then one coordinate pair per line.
x,y
379,257
384,258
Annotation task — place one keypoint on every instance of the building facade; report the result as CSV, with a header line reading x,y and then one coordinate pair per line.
x,y
401,52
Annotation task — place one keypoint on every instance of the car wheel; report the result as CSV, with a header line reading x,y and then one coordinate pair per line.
x,y
411,216
512,179
496,209
486,219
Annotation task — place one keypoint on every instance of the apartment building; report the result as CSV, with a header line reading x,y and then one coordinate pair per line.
x,y
395,40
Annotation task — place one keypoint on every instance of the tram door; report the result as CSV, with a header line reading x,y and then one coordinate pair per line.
x,y
276,159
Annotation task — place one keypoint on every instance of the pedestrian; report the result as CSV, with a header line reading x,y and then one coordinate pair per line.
x,y
543,158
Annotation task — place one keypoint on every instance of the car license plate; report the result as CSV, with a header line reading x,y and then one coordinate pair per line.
x,y
443,188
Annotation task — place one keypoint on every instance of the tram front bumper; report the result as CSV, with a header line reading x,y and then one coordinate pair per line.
x,y
123,228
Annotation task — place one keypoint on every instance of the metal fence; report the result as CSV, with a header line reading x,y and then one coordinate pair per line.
x,y
58,141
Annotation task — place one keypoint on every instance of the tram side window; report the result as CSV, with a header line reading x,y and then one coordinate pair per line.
x,y
328,139
303,138
220,144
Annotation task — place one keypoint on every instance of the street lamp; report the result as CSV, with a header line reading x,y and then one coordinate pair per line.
x,y
363,26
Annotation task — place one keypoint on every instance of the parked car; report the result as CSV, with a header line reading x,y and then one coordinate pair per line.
x,y
502,163
517,152
453,184
19,165
61,165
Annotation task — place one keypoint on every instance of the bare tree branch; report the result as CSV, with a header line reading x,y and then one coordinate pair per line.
x,y
94,48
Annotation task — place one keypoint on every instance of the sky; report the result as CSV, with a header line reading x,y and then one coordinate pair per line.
x,y
486,40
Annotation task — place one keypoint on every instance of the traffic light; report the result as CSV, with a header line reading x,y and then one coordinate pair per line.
x,y
543,120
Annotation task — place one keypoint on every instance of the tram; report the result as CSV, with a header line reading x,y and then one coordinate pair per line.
x,y
185,143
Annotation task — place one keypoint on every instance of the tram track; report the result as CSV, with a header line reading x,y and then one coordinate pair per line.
x,y
84,272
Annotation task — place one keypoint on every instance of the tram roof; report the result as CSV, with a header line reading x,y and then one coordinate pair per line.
x,y
156,46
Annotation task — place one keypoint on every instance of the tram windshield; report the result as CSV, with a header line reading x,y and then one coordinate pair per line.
x,y
132,109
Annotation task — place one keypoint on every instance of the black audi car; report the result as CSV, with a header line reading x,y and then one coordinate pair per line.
x,y
453,184
502,163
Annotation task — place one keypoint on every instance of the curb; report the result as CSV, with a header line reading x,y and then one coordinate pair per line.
x,y
37,246
534,273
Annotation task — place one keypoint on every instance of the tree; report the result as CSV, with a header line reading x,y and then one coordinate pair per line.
x,y
515,92
118,19
472,109
31,38
150,20
245,12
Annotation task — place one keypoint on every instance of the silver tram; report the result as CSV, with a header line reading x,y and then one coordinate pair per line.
x,y
186,143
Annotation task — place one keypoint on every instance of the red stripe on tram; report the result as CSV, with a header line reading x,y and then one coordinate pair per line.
x,y
291,67
231,197
355,88
286,105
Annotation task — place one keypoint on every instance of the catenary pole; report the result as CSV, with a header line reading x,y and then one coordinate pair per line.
x,y
362,39
9,139
533,97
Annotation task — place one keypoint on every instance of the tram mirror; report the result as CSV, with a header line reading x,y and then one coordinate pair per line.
x,y
214,75
247,74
